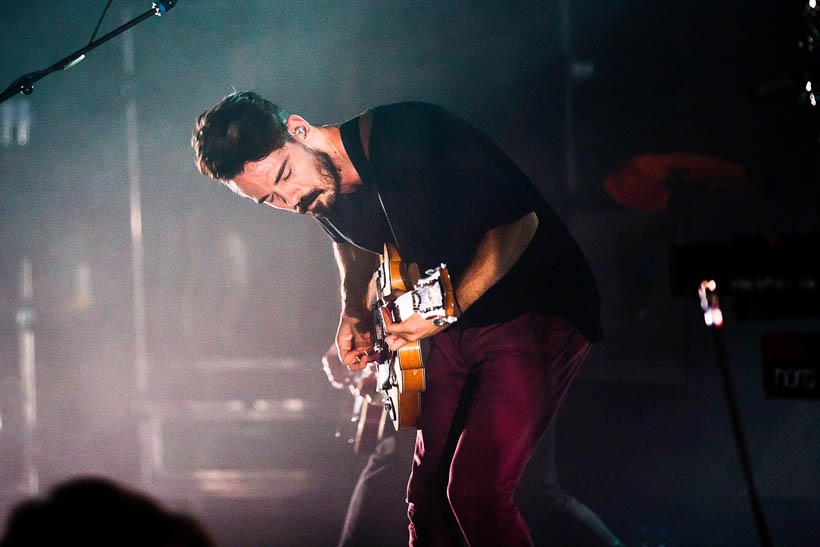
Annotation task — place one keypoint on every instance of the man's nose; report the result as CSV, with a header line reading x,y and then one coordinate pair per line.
x,y
288,197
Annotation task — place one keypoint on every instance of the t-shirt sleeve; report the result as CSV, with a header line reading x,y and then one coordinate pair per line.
x,y
481,176
461,173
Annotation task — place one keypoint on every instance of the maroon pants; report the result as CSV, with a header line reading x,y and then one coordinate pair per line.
x,y
491,393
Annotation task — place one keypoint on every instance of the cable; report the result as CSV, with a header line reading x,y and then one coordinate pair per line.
x,y
94,35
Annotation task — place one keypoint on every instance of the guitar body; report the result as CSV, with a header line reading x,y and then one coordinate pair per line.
x,y
399,293
407,408
409,365
407,380
402,378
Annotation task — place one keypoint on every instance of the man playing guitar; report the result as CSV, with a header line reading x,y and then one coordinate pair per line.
x,y
420,178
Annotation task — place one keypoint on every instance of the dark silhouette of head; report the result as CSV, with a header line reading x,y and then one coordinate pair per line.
x,y
96,511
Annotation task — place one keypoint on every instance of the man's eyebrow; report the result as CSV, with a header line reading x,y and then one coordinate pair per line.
x,y
281,170
264,198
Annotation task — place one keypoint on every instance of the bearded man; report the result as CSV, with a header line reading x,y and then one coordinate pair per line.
x,y
419,177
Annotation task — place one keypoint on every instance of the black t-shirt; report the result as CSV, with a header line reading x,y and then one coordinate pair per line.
x,y
443,185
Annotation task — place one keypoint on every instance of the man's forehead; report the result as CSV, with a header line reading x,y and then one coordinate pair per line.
x,y
273,159
262,168
247,183
280,153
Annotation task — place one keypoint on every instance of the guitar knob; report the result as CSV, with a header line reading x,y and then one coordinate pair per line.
x,y
444,320
388,405
431,271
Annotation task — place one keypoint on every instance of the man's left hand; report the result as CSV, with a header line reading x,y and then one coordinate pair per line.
x,y
411,329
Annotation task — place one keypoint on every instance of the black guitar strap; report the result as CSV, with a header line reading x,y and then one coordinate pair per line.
x,y
365,125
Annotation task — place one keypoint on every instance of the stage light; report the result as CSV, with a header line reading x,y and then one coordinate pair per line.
x,y
709,303
236,405
293,405
15,123
6,123
261,405
707,318
23,122
808,85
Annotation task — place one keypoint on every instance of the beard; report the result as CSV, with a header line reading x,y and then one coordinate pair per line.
x,y
329,186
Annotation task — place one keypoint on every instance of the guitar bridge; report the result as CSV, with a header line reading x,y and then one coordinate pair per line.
x,y
430,296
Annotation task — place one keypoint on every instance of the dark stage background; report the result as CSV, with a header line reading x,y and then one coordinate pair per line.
x,y
235,423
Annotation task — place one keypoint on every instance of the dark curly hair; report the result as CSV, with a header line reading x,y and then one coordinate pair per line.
x,y
242,127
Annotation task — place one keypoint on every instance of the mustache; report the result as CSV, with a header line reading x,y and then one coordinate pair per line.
x,y
305,202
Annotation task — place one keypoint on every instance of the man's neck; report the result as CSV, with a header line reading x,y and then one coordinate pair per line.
x,y
350,179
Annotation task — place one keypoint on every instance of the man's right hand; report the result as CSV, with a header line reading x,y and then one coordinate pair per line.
x,y
353,340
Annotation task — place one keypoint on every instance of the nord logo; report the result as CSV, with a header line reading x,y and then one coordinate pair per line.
x,y
795,378
791,364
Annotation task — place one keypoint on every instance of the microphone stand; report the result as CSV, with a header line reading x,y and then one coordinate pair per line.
x,y
714,319
25,83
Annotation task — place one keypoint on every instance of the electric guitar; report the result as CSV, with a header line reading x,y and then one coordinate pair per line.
x,y
400,292
363,426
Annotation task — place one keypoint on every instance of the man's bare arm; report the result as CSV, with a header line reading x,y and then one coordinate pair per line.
x,y
356,267
497,252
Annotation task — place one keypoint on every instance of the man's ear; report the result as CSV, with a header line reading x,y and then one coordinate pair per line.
x,y
298,127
